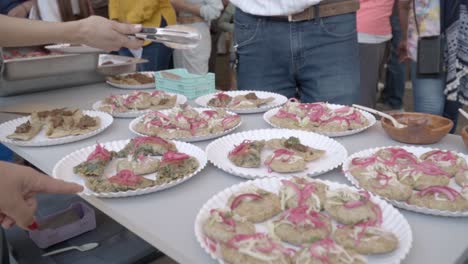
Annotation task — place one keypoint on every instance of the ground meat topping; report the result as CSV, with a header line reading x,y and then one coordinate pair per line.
x,y
23,128
86,121
251,96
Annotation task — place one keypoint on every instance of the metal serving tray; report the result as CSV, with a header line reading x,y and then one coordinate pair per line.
x,y
24,75
47,65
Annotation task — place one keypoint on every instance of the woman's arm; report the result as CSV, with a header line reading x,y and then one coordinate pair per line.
x,y
209,11
21,10
181,5
94,31
403,12
224,22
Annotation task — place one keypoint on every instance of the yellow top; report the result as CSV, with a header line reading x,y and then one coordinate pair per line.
x,y
145,12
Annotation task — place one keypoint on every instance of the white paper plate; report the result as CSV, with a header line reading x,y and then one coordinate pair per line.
x,y
279,100
181,99
41,139
68,48
134,86
190,139
219,149
64,168
268,115
393,220
418,151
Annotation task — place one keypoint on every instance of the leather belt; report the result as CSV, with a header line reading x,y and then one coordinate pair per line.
x,y
324,9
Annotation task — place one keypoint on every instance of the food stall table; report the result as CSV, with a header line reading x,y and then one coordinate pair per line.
x,y
166,219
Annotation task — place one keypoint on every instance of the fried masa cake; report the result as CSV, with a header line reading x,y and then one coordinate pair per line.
x,y
255,249
256,205
302,225
223,225
247,154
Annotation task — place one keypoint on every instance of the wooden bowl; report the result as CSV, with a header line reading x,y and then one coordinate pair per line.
x,y
464,134
421,128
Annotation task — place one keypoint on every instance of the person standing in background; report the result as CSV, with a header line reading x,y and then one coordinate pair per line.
x,y
455,27
374,33
149,13
226,25
304,47
60,10
197,14
394,89
216,35
15,8
428,90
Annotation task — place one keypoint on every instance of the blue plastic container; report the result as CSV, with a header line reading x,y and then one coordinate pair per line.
x,y
182,82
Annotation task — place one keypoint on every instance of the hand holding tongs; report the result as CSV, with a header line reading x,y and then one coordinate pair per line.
x,y
176,37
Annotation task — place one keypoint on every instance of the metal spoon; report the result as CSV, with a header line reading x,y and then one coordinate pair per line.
x,y
82,248
382,114
465,114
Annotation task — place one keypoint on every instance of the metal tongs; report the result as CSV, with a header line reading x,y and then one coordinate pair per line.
x,y
176,36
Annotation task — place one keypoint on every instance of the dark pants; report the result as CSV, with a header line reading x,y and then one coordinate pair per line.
x,y
318,59
158,55
371,58
4,254
394,88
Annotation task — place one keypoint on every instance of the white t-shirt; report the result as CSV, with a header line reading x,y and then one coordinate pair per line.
x,y
274,7
49,10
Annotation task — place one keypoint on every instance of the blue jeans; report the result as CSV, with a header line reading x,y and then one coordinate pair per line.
x,y
428,92
429,97
394,88
158,55
317,60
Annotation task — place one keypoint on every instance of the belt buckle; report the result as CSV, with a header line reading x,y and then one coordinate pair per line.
x,y
292,19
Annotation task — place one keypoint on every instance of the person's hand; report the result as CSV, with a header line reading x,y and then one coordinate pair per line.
x,y
106,34
403,51
18,188
209,12
21,10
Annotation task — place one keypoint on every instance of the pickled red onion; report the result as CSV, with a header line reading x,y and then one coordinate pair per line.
x,y
229,119
132,97
222,96
157,93
450,193
302,194
100,153
440,155
152,139
301,214
196,124
126,177
354,204
364,162
381,176
212,245
235,203
284,114
326,243
172,156
210,113
229,222
242,147
278,153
